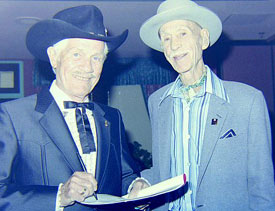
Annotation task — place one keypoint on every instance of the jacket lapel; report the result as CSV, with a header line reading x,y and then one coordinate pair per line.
x,y
165,124
103,128
55,126
218,110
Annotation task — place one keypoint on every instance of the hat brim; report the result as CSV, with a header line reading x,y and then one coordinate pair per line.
x,y
48,32
149,31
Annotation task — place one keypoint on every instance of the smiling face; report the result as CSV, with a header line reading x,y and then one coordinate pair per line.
x,y
78,64
183,42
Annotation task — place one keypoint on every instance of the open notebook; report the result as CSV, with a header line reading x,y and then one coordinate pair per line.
x,y
163,187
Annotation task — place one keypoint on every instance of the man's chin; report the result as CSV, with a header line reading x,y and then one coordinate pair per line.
x,y
181,70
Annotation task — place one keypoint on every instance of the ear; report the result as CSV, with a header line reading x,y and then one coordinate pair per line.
x,y
52,56
205,39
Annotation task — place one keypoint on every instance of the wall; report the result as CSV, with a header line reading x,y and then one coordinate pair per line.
x,y
29,87
252,65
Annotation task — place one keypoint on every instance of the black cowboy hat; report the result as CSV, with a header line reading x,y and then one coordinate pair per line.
x,y
76,22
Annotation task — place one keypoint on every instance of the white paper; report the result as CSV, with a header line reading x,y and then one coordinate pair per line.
x,y
152,191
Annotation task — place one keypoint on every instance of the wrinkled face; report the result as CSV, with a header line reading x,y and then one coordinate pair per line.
x,y
78,66
183,42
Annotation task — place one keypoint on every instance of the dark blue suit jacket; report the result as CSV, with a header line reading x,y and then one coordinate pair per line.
x,y
37,153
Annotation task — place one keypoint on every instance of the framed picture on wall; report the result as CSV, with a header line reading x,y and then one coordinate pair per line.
x,y
11,79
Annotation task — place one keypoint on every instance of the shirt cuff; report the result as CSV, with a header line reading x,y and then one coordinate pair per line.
x,y
58,207
137,179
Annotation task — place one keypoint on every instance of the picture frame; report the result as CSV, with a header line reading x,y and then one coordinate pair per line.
x,y
11,79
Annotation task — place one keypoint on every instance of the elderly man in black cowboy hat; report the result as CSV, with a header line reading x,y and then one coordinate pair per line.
x,y
57,148
216,132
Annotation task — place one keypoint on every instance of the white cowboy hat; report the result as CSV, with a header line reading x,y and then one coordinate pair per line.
x,y
179,10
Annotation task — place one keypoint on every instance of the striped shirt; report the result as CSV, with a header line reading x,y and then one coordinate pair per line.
x,y
189,120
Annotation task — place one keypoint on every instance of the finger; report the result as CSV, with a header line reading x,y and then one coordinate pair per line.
x,y
138,185
83,175
78,193
72,190
83,180
69,195
78,187
88,181
84,193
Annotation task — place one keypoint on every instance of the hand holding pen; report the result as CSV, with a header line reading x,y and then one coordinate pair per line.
x,y
77,188
85,169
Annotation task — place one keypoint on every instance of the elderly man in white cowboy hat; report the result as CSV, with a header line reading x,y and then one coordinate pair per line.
x,y
216,132
57,148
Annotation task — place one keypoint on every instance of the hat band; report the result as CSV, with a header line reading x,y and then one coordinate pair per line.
x,y
100,35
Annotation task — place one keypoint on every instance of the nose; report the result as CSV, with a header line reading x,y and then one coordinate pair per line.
x,y
87,66
175,43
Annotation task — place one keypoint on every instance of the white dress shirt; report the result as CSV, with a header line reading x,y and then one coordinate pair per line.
x,y
89,160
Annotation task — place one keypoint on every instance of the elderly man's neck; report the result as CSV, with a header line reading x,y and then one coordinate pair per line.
x,y
191,76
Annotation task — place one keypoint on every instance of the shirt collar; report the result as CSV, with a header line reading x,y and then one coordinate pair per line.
x,y
213,85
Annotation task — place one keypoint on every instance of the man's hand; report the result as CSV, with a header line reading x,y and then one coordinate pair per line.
x,y
79,186
137,186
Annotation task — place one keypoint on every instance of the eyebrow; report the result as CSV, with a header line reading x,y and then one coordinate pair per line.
x,y
83,50
178,29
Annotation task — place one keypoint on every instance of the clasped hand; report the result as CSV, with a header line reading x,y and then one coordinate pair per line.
x,y
137,186
79,186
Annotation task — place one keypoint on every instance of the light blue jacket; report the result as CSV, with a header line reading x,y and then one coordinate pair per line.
x,y
236,173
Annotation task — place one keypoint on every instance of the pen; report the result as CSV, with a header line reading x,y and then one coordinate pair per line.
x,y
84,167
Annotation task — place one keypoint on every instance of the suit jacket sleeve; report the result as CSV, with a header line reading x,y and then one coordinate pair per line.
x,y
13,194
260,168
